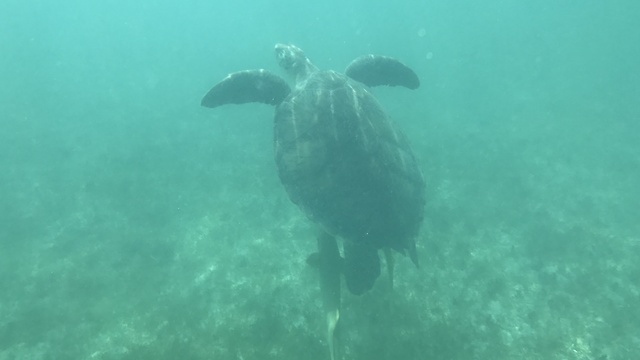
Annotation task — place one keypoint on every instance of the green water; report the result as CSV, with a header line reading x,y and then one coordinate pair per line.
x,y
135,224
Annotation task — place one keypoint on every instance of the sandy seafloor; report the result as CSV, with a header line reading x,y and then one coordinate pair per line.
x,y
136,225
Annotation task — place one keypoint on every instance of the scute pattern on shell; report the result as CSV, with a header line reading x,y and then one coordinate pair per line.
x,y
345,163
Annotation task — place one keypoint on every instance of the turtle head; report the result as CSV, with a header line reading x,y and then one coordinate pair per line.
x,y
293,60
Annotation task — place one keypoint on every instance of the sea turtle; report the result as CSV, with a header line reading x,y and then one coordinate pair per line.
x,y
341,159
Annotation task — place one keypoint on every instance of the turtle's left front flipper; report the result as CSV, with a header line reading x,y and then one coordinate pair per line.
x,y
375,70
248,86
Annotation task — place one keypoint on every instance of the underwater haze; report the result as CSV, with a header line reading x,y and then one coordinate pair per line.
x,y
136,224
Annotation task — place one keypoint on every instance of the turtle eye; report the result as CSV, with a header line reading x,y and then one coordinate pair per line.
x,y
282,51
285,59
281,55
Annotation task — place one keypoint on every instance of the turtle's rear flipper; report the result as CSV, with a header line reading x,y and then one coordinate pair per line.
x,y
374,70
362,266
248,86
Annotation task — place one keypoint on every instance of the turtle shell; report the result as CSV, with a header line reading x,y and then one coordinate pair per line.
x,y
345,163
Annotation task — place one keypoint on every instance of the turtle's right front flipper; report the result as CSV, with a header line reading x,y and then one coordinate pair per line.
x,y
375,70
248,86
